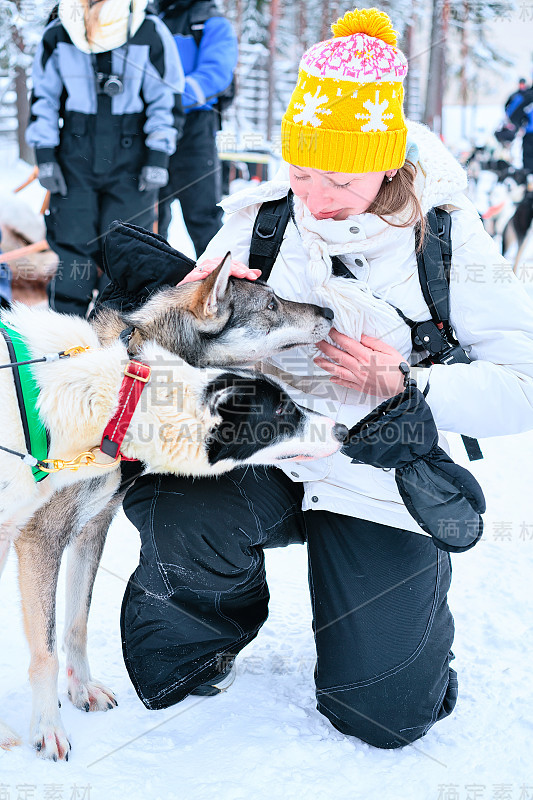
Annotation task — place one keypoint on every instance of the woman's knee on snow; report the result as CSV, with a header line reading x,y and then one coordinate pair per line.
x,y
388,715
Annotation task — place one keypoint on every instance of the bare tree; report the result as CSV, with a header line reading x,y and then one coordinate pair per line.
x,y
437,65
272,46
479,56
21,25
21,89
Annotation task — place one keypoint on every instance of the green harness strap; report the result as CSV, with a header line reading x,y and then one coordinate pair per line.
x,y
27,392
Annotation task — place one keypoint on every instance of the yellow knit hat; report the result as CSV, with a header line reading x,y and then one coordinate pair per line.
x,y
346,112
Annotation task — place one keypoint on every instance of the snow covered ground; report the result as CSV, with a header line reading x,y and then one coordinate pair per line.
x,y
264,737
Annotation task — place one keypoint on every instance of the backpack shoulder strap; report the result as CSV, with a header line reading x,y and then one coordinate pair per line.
x,y
267,235
434,264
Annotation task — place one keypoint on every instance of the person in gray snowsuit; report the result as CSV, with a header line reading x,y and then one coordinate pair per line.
x,y
111,73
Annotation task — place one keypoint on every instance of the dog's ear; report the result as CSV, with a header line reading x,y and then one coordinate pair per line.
x,y
219,394
228,389
215,287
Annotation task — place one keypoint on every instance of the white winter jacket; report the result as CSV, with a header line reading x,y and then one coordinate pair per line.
x,y
490,311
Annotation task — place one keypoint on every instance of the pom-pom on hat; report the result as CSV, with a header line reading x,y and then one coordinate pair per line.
x,y
346,112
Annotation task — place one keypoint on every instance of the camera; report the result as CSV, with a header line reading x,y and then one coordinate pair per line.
x,y
111,85
427,336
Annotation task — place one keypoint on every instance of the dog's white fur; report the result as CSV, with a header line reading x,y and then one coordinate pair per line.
x,y
79,395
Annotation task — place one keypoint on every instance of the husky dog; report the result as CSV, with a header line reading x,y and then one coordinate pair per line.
x,y
191,420
219,321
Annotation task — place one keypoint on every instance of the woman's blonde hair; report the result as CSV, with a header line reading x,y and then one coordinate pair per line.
x,y
397,196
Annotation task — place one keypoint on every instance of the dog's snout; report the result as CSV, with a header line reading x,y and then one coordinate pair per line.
x,y
340,432
327,313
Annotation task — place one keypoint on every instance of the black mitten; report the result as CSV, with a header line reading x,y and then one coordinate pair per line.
x,y
137,262
444,498
140,261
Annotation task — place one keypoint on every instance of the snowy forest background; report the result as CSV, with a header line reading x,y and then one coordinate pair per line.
x,y
444,40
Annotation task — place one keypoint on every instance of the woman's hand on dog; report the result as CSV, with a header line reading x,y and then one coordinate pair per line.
x,y
238,270
370,366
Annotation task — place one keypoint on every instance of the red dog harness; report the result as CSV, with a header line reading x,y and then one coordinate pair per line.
x,y
136,376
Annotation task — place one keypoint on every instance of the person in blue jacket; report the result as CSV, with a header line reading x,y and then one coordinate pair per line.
x,y
515,97
519,109
208,50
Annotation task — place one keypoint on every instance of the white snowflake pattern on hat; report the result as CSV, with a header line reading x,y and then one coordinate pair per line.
x,y
376,115
311,108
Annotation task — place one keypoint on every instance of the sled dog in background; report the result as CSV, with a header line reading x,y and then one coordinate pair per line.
x,y
193,419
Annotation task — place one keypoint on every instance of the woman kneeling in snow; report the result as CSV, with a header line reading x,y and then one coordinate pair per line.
x,y
360,185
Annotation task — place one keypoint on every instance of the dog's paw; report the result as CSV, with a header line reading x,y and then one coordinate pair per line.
x,y
90,695
51,741
8,739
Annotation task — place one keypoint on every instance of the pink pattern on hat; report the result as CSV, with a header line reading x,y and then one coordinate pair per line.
x,y
338,58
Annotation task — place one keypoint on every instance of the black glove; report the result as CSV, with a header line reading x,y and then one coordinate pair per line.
x,y
152,178
137,263
51,178
444,498
140,261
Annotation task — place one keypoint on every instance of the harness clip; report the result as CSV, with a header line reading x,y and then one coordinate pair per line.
x,y
74,351
85,459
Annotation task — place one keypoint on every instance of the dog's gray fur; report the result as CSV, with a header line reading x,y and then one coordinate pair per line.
x,y
219,321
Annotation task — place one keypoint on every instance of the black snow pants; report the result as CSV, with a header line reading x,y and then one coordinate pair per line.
x,y
101,157
382,625
527,151
195,180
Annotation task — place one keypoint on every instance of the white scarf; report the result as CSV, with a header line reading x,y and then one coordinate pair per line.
x,y
110,28
357,309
